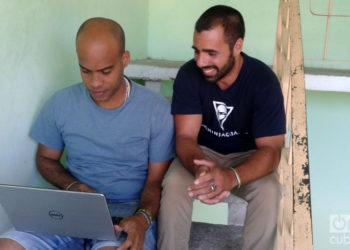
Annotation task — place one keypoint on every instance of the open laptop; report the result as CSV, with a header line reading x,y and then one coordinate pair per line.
x,y
51,211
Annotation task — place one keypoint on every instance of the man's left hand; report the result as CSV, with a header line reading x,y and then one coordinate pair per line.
x,y
135,226
212,187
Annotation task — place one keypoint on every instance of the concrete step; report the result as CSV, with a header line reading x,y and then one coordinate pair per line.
x,y
206,236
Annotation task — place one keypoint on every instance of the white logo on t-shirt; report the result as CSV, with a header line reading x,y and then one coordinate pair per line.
x,y
222,112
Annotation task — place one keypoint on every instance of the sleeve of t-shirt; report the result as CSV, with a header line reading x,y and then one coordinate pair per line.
x,y
162,145
186,99
45,130
269,115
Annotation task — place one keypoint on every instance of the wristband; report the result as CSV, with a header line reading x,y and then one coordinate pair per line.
x,y
146,214
237,177
72,184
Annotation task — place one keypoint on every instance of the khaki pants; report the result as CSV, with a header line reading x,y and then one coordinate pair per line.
x,y
175,215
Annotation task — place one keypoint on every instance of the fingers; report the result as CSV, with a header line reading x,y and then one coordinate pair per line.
x,y
202,187
201,171
204,171
127,244
219,198
203,175
204,163
211,186
203,179
88,189
81,187
210,195
202,183
209,192
118,228
136,235
134,241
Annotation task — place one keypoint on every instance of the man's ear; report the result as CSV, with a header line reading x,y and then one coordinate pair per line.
x,y
126,58
238,46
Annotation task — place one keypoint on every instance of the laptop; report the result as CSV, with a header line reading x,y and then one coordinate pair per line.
x,y
51,211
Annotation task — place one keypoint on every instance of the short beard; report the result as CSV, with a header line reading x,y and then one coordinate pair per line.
x,y
224,70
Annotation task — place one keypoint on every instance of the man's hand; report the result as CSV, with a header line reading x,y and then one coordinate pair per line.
x,y
136,227
211,185
81,187
201,170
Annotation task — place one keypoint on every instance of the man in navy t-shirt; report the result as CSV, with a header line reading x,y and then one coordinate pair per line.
x,y
230,125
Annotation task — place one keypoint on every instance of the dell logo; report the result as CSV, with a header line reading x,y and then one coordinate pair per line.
x,y
56,215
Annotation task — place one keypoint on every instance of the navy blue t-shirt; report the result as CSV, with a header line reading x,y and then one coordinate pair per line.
x,y
250,108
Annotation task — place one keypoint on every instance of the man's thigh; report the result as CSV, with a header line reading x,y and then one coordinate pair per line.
x,y
44,242
149,243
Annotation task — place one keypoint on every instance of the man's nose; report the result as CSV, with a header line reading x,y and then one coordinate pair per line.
x,y
96,80
202,60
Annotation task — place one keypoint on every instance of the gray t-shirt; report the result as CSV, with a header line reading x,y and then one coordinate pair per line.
x,y
108,149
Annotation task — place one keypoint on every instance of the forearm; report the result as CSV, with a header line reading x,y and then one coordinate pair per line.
x,y
263,162
137,224
150,199
54,172
187,150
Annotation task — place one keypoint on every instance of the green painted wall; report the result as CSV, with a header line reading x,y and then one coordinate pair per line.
x,y
328,118
314,34
171,25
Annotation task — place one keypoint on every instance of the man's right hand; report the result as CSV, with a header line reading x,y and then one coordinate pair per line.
x,y
212,183
135,226
201,170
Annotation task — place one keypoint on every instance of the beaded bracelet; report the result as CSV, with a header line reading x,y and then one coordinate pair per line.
x,y
237,177
146,214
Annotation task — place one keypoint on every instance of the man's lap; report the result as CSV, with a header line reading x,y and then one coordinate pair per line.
x,y
54,242
41,241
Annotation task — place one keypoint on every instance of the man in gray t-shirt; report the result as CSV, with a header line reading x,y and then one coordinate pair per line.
x,y
118,137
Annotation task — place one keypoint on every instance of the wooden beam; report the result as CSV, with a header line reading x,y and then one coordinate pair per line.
x,y
302,228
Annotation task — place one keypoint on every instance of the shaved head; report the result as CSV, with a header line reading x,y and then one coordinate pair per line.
x,y
98,27
100,46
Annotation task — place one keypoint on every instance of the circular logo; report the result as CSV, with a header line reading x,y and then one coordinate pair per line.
x,y
56,215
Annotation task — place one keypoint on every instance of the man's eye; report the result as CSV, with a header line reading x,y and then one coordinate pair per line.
x,y
83,70
106,72
212,53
